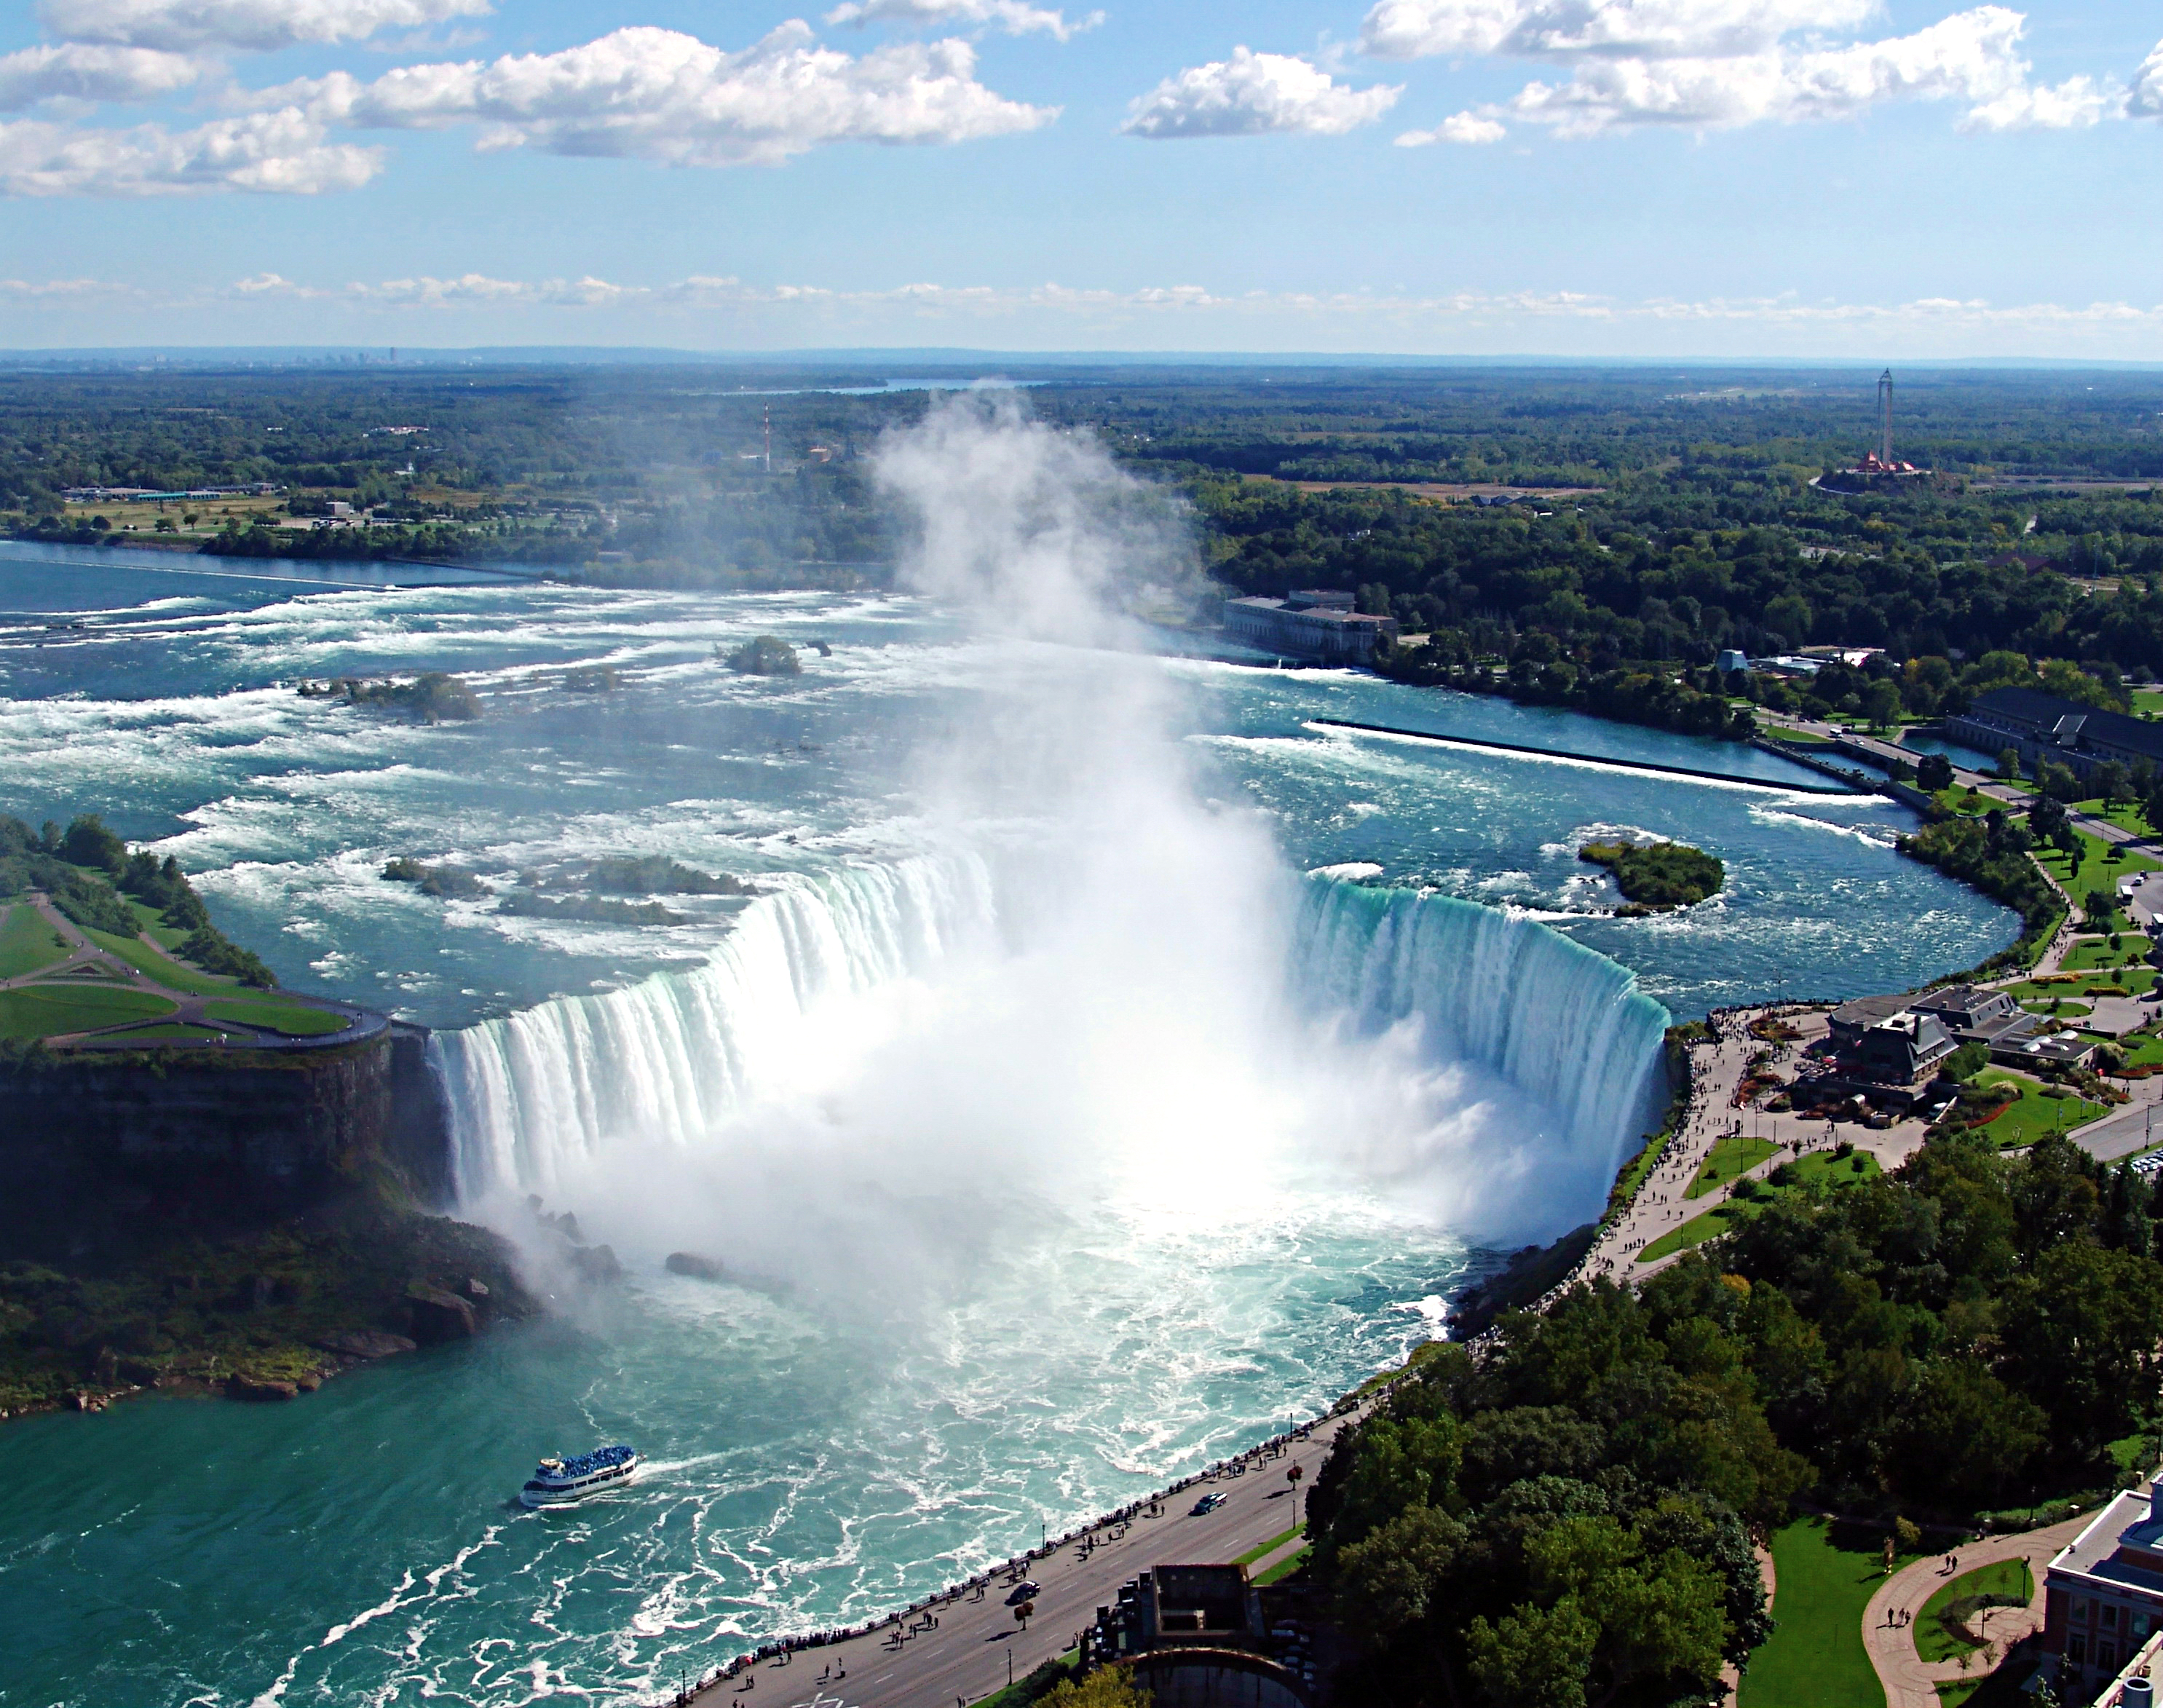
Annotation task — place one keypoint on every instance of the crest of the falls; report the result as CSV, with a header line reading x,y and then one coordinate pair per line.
x,y
1521,1039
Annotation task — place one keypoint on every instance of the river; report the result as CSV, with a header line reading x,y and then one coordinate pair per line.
x,y
1314,1028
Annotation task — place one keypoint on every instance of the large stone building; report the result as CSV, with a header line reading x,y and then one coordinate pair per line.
x,y
2103,1594
2041,727
1318,624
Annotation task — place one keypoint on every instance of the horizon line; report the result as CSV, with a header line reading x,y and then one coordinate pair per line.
x,y
402,355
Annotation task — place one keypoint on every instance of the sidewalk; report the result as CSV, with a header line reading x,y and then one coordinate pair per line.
x,y
1909,1681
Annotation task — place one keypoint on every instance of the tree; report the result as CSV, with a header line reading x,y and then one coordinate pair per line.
x,y
1882,704
1966,1062
1392,1580
2047,817
1934,771
1532,1658
2101,907
1108,1687
2113,783
2009,764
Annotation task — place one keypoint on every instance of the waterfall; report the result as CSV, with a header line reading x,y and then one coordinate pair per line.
x,y
1561,1022
672,1056
536,1092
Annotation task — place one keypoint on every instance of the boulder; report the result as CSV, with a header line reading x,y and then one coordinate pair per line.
x,y
595,1263
438,1316
243,1387
476,1287
365,1342
692,1263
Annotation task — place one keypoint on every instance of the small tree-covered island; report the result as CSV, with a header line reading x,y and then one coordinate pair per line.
x,y
1658,876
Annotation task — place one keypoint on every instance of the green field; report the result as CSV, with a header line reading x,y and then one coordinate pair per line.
x,y
2034,1113
2008,1577
168,971
1815,1658
40,1011
28,941
2088,954
1728,1158
1285,1568
293,1020
1817,1167
1276,1541
2142,1049
2092,871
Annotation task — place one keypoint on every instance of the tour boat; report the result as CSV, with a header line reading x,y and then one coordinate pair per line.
x,y
559,1481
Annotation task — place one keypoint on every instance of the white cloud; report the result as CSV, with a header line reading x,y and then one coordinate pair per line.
x,y
79,71
1014,16
257,25
282,152
2072,105
1463,127
1972,56
658,94
1254,94
1406,29
2146,100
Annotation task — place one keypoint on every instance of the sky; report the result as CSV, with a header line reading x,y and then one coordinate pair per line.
x,y
1838,178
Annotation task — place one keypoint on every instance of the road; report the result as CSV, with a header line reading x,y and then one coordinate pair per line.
x,y
968,1654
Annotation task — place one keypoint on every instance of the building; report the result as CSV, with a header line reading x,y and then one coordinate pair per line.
x,y
1974,1015
1198,1637
2040,726
1902,1048
1319,624
2102,1596
1730,660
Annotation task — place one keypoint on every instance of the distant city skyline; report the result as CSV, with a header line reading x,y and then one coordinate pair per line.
x,y
1571,178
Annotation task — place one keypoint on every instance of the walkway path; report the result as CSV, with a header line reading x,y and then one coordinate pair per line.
x,y
88,966
1662,1204
960,1647
1910,1681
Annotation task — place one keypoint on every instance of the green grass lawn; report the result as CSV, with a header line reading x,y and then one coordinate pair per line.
x,y
2033,1114
42,1010
28,941
293,1020
1729,1158
177,1032
1284,1569
1819,1167
153,927
1815,1658
168,971
1276,1541
1934,1642
2124,814
2142,1049
2092,871
2090,954
1957,799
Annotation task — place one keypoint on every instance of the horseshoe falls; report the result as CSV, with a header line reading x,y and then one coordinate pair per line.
x,y
1537,1053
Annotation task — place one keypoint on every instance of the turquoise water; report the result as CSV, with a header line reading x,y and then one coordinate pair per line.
x,y
996,1308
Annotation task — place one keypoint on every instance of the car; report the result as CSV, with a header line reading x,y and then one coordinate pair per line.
x,y
1207,1503
1025,1591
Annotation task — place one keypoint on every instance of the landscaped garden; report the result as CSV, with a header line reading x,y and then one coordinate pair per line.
x,y
1729,1159
1815,1658
1943,1629
2034,1110
1838,1167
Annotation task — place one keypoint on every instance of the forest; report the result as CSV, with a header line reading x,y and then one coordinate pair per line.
x,y
1657,518
1562,1518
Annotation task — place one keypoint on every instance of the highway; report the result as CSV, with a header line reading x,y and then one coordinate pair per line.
x,y
966,1654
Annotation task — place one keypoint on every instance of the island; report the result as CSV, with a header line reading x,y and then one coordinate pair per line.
x,y
1658,877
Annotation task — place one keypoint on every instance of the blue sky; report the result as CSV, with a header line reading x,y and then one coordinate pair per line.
x,y
1571,177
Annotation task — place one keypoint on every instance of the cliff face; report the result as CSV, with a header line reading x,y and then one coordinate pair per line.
x,y
107,1156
